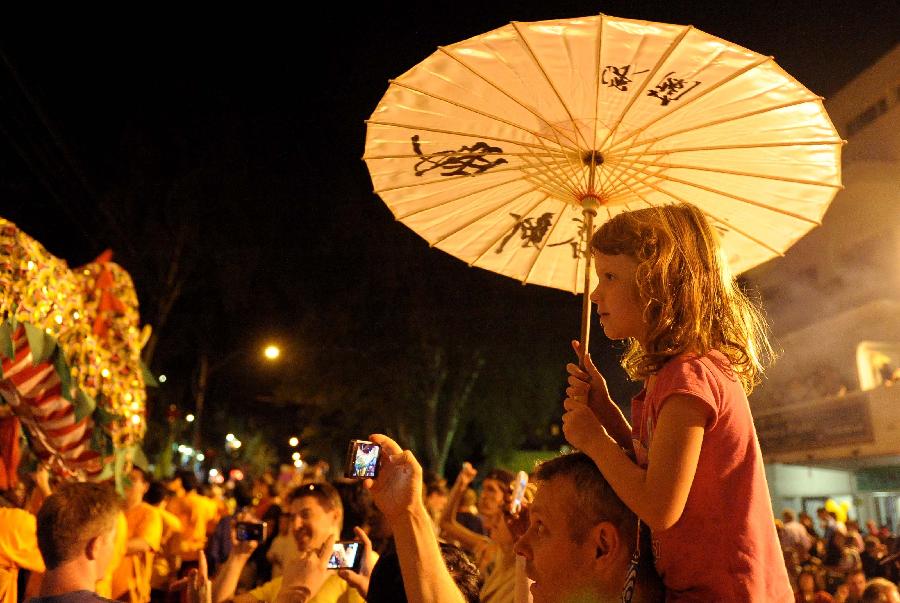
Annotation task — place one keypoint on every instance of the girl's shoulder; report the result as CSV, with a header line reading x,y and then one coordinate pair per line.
x,y
713,361
694,373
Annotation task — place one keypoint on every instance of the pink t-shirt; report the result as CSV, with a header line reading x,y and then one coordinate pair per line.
x,y
724,547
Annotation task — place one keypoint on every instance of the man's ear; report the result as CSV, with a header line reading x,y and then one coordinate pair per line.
x,y
605,541
91,548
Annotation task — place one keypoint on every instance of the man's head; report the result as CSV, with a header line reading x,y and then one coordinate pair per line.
x,y
187,480
787,515
137,487
880,590
580,537
316,513
78,522
386,582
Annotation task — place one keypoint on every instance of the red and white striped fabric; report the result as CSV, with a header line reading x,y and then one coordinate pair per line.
x,y
35,394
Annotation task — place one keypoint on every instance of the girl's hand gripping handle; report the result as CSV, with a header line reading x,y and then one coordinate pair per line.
x,y
587,386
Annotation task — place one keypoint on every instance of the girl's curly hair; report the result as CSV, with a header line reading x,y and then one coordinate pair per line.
x,y
691,302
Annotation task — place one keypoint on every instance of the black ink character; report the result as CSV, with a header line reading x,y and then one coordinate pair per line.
x,y
531,230
617,77
467,161
578,243
672,88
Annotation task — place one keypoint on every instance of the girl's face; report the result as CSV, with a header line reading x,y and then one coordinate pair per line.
x,y
616,296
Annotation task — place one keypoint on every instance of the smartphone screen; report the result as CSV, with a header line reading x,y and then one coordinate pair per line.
x,y
519,486
344,555
362,459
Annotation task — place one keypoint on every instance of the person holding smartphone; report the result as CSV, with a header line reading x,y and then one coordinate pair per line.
x,y
316,516
494,551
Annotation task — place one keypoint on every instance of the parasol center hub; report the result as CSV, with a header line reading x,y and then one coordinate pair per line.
x,y
592,158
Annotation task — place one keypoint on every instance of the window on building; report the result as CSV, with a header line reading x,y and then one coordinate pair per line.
x,y
878,363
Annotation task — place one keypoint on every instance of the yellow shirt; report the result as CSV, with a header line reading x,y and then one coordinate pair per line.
x,y
104,584
334,590
132,578
195,512
164,561
18,548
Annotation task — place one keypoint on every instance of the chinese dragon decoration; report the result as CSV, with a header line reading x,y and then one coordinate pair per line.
x,y
72,375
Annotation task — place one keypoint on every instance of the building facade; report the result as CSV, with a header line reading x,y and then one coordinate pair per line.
x,y
828,413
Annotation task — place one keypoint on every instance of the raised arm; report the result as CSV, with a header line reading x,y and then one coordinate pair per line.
x,y
658,494
452,528
397,492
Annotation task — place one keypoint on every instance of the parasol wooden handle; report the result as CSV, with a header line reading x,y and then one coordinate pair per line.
x,y
589,210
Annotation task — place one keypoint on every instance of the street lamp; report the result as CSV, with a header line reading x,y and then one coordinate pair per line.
x,y
293,441
206,370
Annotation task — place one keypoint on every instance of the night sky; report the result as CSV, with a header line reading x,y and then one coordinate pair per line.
x,y
266,109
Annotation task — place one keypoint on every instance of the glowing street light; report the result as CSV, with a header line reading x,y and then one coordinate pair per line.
x,y
272,352
296,456
189,418
294,441
229,437
162,379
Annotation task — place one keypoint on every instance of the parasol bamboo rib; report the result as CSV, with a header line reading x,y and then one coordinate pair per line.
x,y
711,123
728,147
523,144
540,117
449,234
709,189
559,187
543,71
729,226
740,173
599,38
492,243
445,179
499,89
659,63
420,210
700,94
473,110
414,155
543,246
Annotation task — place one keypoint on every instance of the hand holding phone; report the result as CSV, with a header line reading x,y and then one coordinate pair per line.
x,y
518,494
346,554
250,530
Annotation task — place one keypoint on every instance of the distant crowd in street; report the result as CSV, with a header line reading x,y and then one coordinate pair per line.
x,y
420,540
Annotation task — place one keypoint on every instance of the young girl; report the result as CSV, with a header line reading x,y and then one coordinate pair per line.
x,y
696,341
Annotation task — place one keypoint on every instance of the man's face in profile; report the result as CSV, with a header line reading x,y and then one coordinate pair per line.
x,y
559,565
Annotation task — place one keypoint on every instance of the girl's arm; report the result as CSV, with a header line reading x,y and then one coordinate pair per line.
x,y
588,385
658,494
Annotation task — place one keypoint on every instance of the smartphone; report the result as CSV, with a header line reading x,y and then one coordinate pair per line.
x,y
362,459
251,530
346,554
515,505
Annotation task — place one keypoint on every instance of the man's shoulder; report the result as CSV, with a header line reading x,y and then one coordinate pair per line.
x,y
77,596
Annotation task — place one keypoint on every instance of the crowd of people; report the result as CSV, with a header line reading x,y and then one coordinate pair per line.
x,y
266,541
672,505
